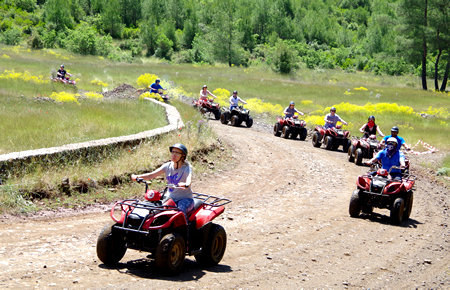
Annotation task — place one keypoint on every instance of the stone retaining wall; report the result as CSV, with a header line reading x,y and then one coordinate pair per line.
x,y
7,161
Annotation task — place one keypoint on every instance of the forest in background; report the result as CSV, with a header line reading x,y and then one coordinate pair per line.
x,y
391,37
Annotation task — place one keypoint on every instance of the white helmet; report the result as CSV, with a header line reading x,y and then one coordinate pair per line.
x,y
392,140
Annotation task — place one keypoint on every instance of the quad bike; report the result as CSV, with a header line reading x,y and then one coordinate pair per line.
x,y
236,116
157,226
64,80
208,106
290,127
332,138
363,148
378,190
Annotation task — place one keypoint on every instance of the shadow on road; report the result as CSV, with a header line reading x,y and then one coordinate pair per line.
x,y
385,219
145,268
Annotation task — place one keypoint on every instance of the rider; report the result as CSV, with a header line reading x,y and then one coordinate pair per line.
x,y
155,87
400,141
179,173
370,128
390,156
332,118
234,100
61,74
204,94
291,110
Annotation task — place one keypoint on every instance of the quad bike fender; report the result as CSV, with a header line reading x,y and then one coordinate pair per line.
x,y
175,219
346,134
363,183
320,129
393,188
207,214
124,209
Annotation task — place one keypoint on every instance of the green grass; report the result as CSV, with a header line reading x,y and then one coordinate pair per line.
x,y
31,124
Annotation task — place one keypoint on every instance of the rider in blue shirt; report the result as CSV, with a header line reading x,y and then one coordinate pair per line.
x,y
390,156
155,87
394,134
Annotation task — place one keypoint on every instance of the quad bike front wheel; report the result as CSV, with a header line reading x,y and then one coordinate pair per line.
x,y
316,139
285,132
350,150
303,134
235,120
170,254
397,211
358,156
328,142
354,208
249,122
110,247
276,130
346,145
224,118
213,247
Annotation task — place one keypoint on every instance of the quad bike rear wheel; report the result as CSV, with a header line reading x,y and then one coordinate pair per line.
x,y
285,132
170,254
249,122
303,134
213,247
294,135
354,208
276,130
397,211
358,156
224,118
217,114
316,139
235,120
350,150
328,142
110,247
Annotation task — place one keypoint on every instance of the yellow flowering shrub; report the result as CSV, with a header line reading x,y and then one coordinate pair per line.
x,y
146,80
5,56
223,96
314,119
370,108
93,96
348,93
99,83
360,89
64,97
438,112
258,106
151,95
306,102
23,76
57,55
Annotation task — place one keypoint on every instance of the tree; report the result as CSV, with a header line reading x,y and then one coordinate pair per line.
x,y
58,13
111,20
439,10
415,31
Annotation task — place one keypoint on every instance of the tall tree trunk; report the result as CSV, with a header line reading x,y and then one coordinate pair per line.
x,y
444,80
436,64
424,52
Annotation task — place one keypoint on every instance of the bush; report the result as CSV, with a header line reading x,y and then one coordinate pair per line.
x,y
104,45
12,36
282,58
82,40
36,41
164,47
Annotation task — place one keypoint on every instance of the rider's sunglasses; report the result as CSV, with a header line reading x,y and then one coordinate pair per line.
x,y
176,153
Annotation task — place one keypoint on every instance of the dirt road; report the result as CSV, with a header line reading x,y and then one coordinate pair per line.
x,y
288,226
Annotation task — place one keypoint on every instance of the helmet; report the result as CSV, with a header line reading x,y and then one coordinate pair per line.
x,y
392,140
157,80
179,146
333,109
62,66
371,118
205,86
382,172
234,92
291,103
394,129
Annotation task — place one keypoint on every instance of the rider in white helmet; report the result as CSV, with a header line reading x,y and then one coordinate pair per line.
x,y
390,156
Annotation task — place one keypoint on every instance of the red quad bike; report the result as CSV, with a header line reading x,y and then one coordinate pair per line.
x,y
363,148
208,106
157,226
290,127
64,80
381,192
332,138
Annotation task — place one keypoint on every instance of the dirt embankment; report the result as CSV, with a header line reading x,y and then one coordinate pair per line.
x,y
288,226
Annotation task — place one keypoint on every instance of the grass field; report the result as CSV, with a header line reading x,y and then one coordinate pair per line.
x,y
393,100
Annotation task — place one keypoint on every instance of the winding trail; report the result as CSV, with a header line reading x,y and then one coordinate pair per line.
x,y
288,226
